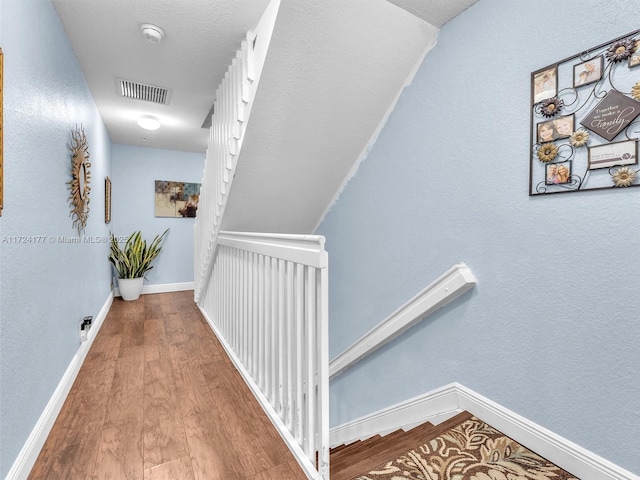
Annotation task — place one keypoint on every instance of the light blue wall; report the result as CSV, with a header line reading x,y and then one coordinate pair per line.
x,y
135,170
551,331
46,288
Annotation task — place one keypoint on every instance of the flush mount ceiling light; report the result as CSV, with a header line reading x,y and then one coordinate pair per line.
x,y
151,32
148,122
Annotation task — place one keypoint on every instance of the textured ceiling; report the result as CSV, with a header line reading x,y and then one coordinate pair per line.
x,y
435,12
333,71
201,38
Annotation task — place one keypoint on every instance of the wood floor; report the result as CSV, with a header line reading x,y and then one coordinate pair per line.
x,y
157,398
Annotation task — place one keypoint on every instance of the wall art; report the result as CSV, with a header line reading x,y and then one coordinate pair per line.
x,y
585,120
80,179
107,200
176,199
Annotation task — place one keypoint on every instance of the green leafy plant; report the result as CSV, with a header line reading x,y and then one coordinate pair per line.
x,y
134,260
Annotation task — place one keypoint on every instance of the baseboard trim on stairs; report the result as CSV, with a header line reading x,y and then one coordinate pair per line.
x,y
31,449
162,288
435,407
442,403
575,459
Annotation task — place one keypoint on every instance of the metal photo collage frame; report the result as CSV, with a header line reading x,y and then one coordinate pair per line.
x,y
585,120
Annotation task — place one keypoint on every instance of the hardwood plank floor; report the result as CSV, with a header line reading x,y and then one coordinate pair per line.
x,y
157,398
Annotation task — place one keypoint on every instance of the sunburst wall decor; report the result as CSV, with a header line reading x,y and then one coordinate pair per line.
x,y
81,177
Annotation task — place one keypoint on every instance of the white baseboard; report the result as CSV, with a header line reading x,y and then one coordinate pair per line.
x,y
443,403
31,449
430,407
162,288
576,460
296,450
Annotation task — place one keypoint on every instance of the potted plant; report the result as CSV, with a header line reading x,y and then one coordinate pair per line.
x,y
133,261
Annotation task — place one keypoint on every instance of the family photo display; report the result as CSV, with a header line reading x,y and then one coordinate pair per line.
x,y
585,122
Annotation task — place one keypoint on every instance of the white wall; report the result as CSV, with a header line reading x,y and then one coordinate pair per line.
x,y
135,170
551,331
45,288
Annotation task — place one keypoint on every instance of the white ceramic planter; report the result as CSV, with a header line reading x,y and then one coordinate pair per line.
x,y
130,288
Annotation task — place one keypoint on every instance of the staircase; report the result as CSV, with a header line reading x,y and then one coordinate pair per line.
x,y
358,458
462,447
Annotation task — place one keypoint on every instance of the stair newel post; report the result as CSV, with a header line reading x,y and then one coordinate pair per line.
x,y
323,368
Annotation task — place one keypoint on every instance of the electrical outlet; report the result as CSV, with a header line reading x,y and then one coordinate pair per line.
x,y
83,332
85,325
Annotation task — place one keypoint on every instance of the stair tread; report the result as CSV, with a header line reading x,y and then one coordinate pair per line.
x,y
366,456
358,445
363,448
344,446
352,466
338,448
377,452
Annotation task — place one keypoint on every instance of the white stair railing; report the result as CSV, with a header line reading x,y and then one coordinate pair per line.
x,y
232,109
265,296
228,124
267,303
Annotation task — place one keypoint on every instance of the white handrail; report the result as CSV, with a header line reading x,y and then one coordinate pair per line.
x,y
267,301
449,286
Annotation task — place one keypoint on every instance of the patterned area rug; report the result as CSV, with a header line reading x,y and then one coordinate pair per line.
x,y
472,450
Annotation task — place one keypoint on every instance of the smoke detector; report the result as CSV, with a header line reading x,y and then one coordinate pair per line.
x,y
151,32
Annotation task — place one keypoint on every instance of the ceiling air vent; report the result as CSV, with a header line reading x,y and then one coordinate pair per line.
x,y
141,91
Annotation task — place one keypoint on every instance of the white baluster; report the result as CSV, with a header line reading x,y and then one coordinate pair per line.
x,y
288,350
274,333
299,344
309,323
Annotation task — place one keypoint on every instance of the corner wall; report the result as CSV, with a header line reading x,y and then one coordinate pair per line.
x,y
135,170
551,330
46,285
